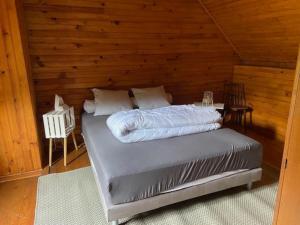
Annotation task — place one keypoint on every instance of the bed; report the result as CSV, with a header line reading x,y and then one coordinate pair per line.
x,y
138,177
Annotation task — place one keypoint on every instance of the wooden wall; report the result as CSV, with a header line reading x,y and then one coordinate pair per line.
x,y
265,32
81,44
19,145
288,194
268,91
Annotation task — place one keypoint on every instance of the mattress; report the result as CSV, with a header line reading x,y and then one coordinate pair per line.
x,y
134,171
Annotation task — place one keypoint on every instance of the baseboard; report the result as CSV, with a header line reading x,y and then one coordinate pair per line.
x,y
19,176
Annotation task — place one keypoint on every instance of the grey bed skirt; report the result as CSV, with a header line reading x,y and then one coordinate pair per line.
x,y
115,212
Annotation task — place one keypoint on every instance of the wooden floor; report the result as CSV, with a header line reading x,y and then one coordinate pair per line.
x,y
17,198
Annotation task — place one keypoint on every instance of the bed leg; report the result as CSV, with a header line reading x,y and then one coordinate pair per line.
x,y
115,222
249,186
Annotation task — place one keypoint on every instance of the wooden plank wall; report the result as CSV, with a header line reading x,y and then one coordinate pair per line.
x,y
268,91
19,145
265,32
288,194
81,44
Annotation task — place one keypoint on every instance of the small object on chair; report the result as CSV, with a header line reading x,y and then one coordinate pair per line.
x,y
59,124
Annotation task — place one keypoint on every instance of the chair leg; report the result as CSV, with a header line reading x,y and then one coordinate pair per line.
x,y
245,120
241,118
237,118
224,116
233,118
50,152
74,140
65,151
251,118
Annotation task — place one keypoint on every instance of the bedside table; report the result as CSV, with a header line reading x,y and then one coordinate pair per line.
x,y
60,124
217,106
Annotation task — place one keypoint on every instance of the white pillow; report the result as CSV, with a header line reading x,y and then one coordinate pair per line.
x,y
134,103
108,102
89,106
150,98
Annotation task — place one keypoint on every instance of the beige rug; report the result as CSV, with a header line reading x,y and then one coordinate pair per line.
x,y
72,198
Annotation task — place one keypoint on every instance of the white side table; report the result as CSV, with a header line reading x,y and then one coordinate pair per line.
x,y
59,124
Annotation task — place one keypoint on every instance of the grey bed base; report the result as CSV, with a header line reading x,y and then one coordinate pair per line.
x,y
115,212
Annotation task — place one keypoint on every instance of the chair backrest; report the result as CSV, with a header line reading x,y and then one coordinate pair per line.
x,y
234,94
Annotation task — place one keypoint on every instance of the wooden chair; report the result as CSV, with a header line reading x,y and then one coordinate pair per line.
x,y
235,104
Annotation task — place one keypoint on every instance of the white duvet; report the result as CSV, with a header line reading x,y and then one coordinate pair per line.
x,y
144,125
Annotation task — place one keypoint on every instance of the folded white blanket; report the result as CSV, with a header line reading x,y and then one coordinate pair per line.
x,y
142,125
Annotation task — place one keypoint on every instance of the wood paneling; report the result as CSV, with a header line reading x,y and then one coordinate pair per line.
x,y
288,198
268,91
19,145
265,32
81,44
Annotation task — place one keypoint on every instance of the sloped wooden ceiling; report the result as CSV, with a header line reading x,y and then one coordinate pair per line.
x,y
265,32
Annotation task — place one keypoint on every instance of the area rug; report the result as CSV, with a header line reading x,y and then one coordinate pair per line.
x,y
72,198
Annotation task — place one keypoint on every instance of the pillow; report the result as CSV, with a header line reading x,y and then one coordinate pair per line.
x,y
150,98
108,102
89,106
169,98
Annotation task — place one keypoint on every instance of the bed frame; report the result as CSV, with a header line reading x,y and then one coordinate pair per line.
x,y
115,212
